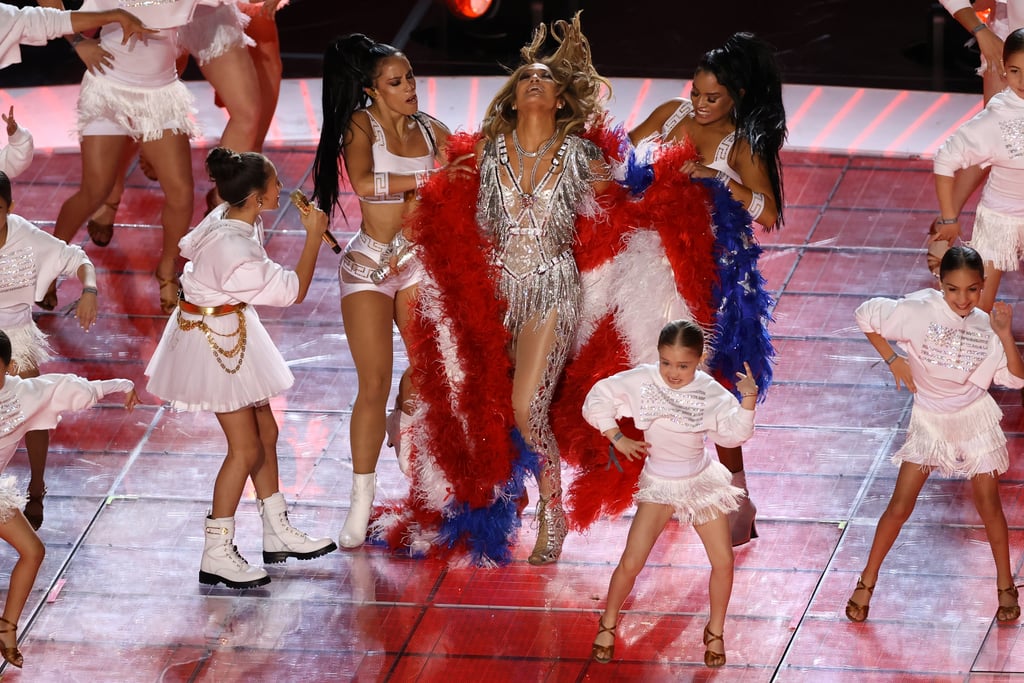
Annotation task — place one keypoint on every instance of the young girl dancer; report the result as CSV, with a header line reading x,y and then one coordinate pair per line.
x,y
30,259
955,352
992,138
32,404
216,355
676,405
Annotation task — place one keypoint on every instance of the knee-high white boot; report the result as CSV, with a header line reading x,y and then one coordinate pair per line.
x,y
221,562
395,425
281,540
741,522
354,532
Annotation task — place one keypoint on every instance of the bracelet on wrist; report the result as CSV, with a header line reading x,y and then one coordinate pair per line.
x,y
751,394
90,290
76,39
980,27
947,221
616,436
892,359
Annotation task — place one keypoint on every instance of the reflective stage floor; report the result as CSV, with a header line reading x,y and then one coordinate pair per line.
x,y
118,599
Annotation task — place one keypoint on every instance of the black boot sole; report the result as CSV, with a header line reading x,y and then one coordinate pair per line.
x,y
282,555
212,580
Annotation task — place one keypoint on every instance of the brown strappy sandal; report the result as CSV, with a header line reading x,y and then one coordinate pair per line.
x,y
1008,612
713,659
102,233
11,654
602,654
854,610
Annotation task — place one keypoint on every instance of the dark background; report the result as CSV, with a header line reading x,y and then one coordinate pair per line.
x,y
904,44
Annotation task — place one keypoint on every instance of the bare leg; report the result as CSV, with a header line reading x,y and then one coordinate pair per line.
x,y
908,485
985,488
100,156
266,58
718,545
648,523
37,443
101,223
172,160
249,431
31,551
233,77
368,319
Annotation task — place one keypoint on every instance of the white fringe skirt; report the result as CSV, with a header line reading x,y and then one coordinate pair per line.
x,y
144,112
11,497
214,31
999,238
697,500
960,445
30,347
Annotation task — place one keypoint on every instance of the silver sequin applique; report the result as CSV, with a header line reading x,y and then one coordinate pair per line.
x,y
684,407
953,348
1013,137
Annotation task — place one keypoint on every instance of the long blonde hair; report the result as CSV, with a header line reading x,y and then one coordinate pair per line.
x,y
583,90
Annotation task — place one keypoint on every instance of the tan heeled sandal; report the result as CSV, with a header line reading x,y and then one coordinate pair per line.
x,y
713,659
1008,612
603,654
854,610
11,654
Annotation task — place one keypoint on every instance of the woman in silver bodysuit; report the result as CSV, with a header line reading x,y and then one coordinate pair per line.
x,y
536,176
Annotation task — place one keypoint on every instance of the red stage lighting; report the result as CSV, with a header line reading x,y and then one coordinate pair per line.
x,y
470,9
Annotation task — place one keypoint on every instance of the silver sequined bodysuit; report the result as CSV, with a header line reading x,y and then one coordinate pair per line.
x,y
533,235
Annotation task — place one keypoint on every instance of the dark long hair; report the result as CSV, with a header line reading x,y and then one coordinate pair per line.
x,y
351,63
745,66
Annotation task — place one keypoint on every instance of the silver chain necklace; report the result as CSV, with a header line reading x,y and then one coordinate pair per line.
x,y
521,153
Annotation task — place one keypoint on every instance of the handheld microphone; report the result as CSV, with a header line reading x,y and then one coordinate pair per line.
x,y
304,206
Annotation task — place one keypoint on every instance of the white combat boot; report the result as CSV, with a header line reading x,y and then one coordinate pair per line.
x,y
354,532
281,540
221,562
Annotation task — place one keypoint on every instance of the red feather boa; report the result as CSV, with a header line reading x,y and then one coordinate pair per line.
x,y
455,252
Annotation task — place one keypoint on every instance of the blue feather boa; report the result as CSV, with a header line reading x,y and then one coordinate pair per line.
x,y
488,532
741,324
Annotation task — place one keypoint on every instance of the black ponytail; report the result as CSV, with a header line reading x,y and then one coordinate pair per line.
x,y
351,63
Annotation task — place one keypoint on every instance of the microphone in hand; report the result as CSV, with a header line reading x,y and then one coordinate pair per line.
x,y
304,206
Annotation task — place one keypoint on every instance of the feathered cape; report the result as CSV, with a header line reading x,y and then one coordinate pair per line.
x,y
681,249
